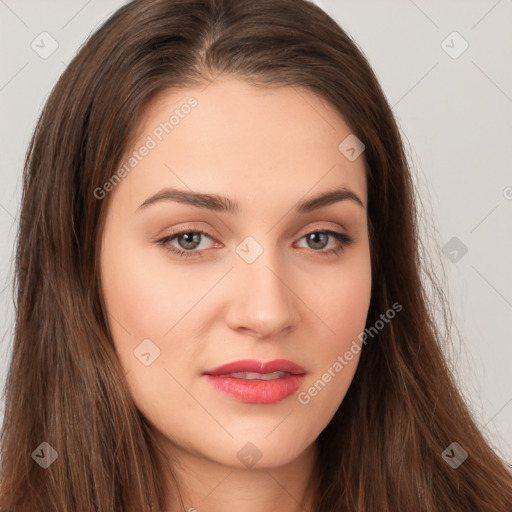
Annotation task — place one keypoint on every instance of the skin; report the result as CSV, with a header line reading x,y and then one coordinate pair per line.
x,y
267,149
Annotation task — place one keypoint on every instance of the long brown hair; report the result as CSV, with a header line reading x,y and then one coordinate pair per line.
x,y
65,386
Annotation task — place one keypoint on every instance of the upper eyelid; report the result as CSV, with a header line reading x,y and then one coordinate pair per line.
x,y
195,229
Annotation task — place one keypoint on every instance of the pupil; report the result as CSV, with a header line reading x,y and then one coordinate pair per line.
x,y
191,240
314,237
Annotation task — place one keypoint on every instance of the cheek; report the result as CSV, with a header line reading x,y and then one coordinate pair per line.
x,y
144,293
342,302
145,298
149,299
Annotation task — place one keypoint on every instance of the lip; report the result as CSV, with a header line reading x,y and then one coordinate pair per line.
x,y
256,391
251,365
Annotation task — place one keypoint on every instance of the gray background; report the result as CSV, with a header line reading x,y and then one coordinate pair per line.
x,y
455,113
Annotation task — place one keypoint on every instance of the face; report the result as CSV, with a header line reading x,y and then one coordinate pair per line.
x,y
254,271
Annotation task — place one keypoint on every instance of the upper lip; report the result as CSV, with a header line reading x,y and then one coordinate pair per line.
x,y
251,365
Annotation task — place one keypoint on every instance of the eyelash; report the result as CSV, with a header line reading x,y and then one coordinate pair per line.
x,y
343,241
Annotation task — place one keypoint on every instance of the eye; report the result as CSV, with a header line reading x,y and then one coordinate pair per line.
x,y
189,240
318,240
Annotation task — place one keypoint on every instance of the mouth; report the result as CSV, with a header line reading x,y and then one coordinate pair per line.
x,y
255,382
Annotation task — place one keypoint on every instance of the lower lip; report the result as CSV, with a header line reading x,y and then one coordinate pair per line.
x,y
256,391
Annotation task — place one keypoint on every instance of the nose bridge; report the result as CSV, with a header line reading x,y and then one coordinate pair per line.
x,y
263,302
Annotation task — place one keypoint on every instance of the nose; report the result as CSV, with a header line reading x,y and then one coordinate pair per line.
x,y
262,302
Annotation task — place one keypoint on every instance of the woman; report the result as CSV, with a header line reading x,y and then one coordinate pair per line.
x,y
220,300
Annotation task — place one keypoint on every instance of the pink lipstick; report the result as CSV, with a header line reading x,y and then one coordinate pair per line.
x,y
255,382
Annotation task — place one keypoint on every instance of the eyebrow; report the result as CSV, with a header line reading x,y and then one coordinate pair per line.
x,y
219,203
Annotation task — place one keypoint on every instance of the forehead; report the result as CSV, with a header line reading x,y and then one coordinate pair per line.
x,y
237,139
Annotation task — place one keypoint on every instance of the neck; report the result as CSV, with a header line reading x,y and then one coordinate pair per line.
x,y
204,484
